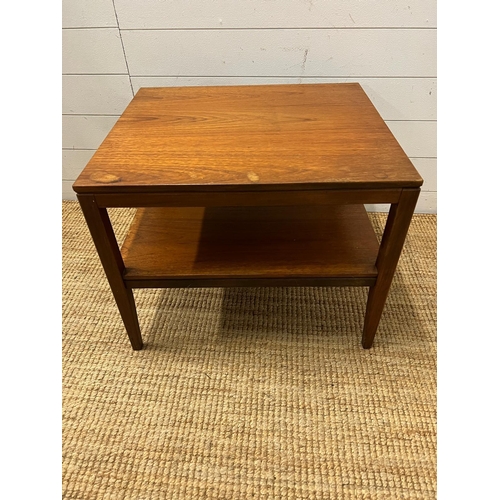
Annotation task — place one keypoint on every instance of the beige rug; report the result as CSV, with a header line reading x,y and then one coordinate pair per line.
x,y
248,393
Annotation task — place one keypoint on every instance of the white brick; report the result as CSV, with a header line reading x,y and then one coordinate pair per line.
x,y
74,161
275,14
418,139
301,53
96,94
85,132
67,191
92,51
88,13
427,168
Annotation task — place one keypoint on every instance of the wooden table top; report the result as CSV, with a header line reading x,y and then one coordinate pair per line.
x,y
248,138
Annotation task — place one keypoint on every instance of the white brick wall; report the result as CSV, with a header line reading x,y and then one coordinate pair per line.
x,y
112,48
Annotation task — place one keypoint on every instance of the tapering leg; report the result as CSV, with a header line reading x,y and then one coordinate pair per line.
x,y
105,242
398,222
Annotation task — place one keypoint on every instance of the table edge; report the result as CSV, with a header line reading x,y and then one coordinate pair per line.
x,y
79,187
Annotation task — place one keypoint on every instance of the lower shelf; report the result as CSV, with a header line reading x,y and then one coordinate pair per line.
x,y
250,246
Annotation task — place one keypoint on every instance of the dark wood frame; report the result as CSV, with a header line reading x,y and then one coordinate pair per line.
x,y
402,201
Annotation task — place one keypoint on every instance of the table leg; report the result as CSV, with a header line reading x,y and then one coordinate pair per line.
x,y
105,242
398,222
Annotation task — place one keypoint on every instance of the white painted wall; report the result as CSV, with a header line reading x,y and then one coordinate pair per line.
x,y
111,48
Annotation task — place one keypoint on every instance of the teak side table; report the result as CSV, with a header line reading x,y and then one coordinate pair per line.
x,y
249,186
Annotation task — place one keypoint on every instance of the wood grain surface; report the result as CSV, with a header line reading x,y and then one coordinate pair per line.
x,y
251,242
279,137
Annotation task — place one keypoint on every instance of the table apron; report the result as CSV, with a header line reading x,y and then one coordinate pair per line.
x,y
248,282
246,198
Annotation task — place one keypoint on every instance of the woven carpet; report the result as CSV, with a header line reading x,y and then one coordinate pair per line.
x,y
248,393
